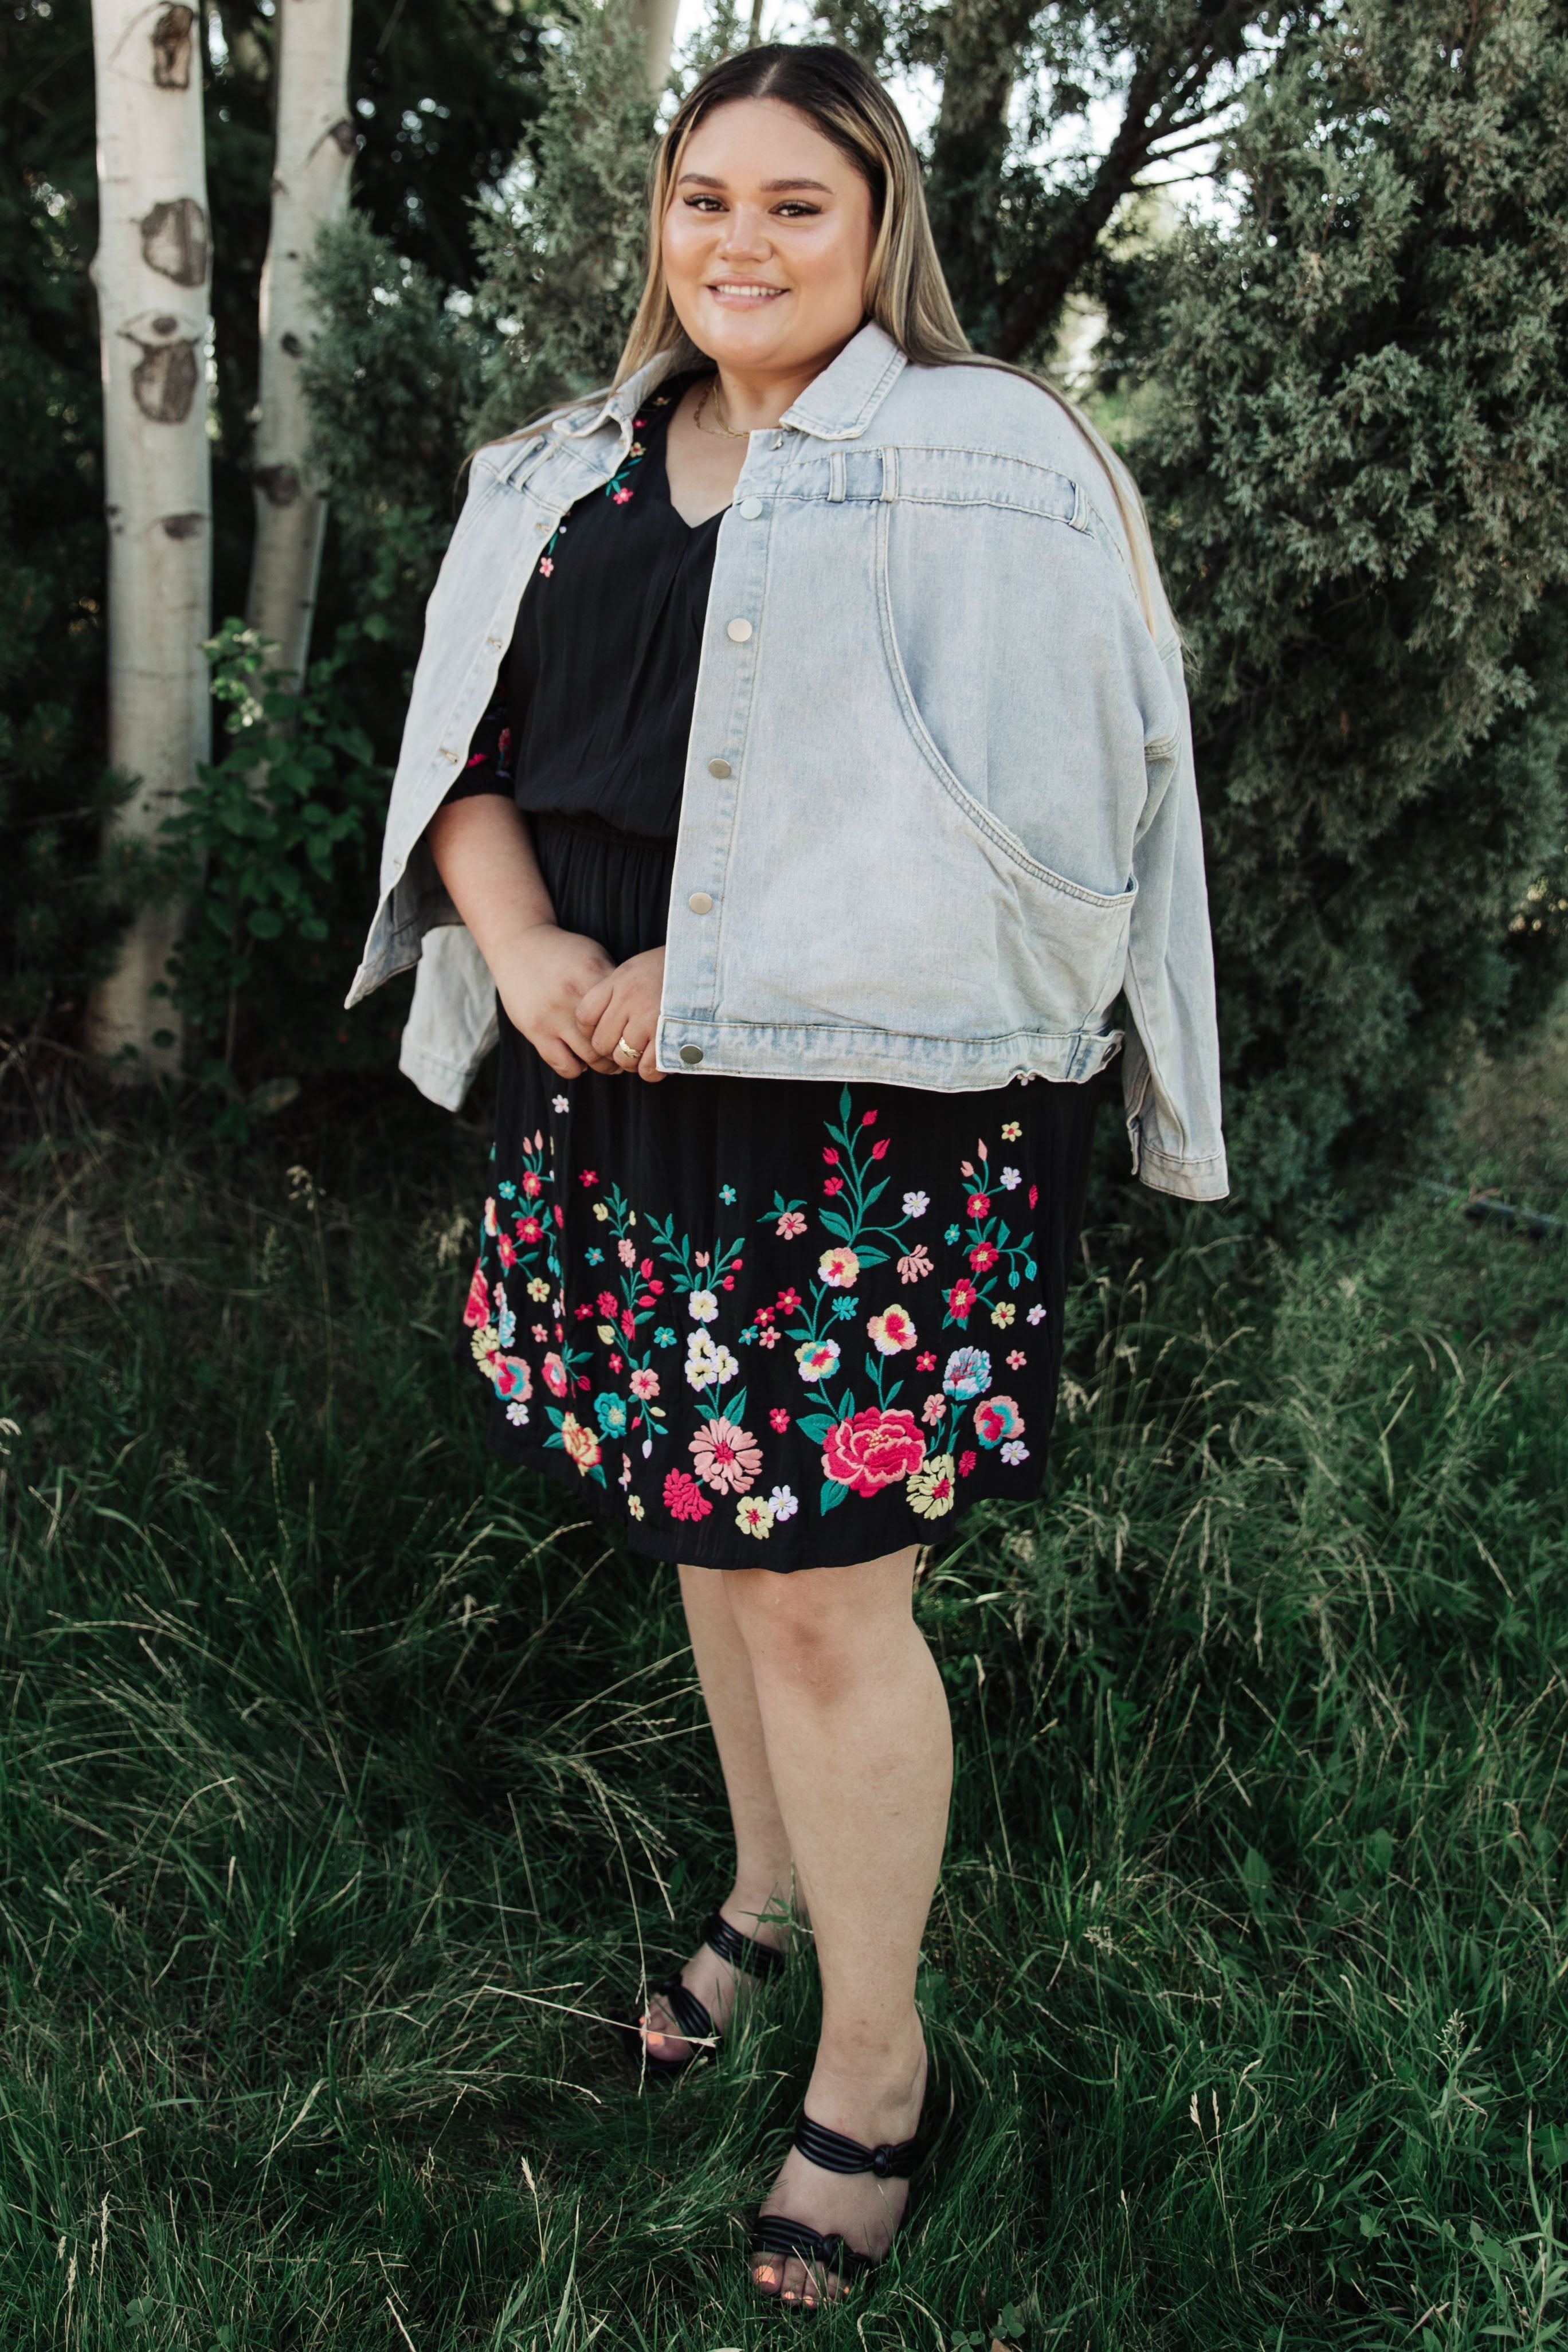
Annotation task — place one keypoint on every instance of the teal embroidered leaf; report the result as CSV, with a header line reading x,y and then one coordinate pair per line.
x,y
833,1494
1028,1269
815,1426
836,1223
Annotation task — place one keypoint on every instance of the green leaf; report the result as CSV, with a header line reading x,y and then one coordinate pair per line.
x,y
833,1494
264,923
815,1426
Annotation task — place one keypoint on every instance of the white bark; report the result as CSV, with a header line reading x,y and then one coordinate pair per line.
x,y
655,19
316,145
152,272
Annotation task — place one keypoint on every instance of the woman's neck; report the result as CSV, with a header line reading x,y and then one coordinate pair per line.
x,y
754,399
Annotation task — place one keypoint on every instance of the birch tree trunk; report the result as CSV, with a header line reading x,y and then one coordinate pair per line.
x,y
316,145
152,274
655,20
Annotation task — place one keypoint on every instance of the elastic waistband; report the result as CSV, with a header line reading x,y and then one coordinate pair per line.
x,y
590,827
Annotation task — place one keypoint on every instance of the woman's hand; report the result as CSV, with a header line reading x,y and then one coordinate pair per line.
x,y
543,975
621,1009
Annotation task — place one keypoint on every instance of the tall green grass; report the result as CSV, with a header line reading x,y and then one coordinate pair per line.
x,y
349,1779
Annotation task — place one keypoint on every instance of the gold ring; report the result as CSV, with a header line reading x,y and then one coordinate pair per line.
x,y
628,1053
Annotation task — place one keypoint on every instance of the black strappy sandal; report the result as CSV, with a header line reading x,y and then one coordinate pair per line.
x,y
775,2233
691,2016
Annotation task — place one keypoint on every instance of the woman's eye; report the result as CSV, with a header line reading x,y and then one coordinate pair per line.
x,y
798,211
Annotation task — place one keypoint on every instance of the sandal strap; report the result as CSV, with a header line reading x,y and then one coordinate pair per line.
x,y
689,2013
759,1961
835,2152
775,2233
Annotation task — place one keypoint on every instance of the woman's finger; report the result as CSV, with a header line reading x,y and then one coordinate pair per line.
x,y
648,1068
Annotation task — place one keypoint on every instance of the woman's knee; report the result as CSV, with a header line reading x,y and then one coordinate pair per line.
x,y
833,1630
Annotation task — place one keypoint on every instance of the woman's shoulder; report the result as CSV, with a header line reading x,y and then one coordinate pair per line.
x,y
990,410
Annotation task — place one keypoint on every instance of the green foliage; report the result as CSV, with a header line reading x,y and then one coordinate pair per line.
x,y
349,1778
1354,444
255,844
564,248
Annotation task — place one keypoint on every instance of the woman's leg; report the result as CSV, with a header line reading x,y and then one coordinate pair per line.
x,y
860,1749
761,1847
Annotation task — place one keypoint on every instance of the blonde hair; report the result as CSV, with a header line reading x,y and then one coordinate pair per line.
x,y
906,293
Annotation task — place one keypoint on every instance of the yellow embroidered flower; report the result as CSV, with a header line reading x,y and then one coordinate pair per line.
x,y
602,1212
486,1344
753,1517
930,1488
581,1443
607,1333
1002,1315
538,1289
635,1506
839,1268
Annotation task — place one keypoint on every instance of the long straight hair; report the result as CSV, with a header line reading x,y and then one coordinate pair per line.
x,y
906,293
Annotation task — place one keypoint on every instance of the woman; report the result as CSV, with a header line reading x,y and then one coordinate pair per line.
x,y
837,769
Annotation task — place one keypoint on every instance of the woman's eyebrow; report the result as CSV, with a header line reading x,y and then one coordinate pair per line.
x,y
770,187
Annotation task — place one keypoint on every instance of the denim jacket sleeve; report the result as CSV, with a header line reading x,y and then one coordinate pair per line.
x,y
1169,1071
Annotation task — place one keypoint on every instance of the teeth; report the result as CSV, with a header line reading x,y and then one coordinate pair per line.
x,y
751,293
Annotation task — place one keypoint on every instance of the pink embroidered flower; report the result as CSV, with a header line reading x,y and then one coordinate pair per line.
x,y
625,1252
532,1185
528,1229
881,1148
560,1214
872,1450
581,1443
512,1378
791,1225
997,1420
1033,1194
1016,1360
615,1363
546,566
967,1463
816,1357
915,1264
506,1249
832,1184
477,1306
830,1155
891,1332
539,1335
726,1457
779,1418
984,1256
867,1118
768,1337
629,1325
839,1268
788,1300
925,1363
490,1226
553,1373
979,1204
683,1499
961,1300
621,497
932,1410
588,1178
644,1384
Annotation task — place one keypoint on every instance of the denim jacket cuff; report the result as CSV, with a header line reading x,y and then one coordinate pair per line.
x,y
1188,1180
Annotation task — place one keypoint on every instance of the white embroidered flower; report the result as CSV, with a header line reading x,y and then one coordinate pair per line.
x,y
916,1203
702,1306
1015,1451
517,1414
782,1503
558,1102
1009,1179
1035,1314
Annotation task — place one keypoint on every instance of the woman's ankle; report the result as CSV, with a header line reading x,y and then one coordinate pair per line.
x,y
873,2091
762,1912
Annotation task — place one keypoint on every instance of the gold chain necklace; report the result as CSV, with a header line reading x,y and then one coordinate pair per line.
x,y
710,391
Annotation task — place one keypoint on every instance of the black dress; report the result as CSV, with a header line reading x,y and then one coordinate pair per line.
x,y
764,1323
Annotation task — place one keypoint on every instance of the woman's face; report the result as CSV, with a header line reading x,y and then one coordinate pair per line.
x,y
767,241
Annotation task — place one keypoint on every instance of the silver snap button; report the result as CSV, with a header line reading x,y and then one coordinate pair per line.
x,y
752,509
719,768
690,1054
701,903
738,631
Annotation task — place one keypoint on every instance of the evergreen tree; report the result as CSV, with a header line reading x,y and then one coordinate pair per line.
x,y
1354,439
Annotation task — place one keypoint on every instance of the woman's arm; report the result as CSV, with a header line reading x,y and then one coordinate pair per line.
x,y
484,854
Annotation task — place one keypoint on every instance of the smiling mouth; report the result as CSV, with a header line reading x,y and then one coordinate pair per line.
x,y
731,291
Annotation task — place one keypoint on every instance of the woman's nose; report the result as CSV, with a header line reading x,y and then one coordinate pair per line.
x,y
745,237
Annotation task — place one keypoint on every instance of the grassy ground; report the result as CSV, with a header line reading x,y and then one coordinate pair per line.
x,y
347,1780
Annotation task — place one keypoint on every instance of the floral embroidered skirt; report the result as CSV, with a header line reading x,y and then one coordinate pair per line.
x,y
780,1325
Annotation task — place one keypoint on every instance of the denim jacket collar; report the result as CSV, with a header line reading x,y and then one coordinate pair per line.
x,y
837,405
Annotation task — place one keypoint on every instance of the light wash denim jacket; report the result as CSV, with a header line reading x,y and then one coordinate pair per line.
x,y
939,807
